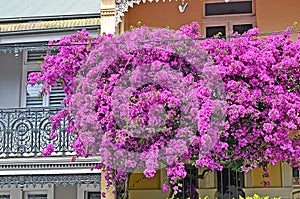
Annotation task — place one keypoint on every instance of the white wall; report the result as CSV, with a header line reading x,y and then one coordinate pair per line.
x,y
10,80
67,192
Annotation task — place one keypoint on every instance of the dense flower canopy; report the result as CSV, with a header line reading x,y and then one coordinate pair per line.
x,y
153,98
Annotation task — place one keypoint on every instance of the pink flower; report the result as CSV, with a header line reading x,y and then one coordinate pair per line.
x,y
165,187
48,150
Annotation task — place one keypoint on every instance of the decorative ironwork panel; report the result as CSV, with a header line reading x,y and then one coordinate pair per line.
x,y
26,132
48,180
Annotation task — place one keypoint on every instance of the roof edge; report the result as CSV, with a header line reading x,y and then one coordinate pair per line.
x,y
54,17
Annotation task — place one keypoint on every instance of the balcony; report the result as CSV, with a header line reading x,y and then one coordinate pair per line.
x,y
24,132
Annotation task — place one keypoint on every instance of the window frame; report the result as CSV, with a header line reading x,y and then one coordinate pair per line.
x,y
243,181
38,189
28,67
86,194
83,189
295,177
228,23
5,193
227,15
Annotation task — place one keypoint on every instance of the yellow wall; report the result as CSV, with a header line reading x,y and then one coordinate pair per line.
x,y
275,176
138,181
271,15
276,15
163,14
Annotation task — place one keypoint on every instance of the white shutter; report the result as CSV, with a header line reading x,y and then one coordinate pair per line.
x,y
33,101
56,96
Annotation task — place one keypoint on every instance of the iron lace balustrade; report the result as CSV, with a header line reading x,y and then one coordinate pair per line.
x,y
26,132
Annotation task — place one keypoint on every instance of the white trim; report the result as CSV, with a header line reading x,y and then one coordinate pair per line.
x,y
12,191
38,190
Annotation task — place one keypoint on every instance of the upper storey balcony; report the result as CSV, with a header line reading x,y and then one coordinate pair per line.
x,y
25,132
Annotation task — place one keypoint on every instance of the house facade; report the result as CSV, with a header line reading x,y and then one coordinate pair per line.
x,y
24,117
215,16
25,29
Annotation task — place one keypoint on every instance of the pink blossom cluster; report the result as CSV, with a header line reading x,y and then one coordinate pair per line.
x,y
141,105
261,76
136,125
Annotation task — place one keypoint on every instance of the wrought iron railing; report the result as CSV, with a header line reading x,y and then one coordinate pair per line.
x,y
26,132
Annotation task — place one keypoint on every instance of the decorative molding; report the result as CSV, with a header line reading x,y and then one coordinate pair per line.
x,y
44,180
17,48
44,166
108,12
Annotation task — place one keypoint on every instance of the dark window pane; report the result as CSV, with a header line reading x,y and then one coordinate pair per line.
x,y
295,172
94,195
190,184
242,28
228,8
4,196
229,184
214,30
37,196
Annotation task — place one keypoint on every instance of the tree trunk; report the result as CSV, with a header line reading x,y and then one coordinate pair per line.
x,y
121,188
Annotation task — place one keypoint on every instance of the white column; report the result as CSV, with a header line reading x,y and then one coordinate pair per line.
x,y
108,16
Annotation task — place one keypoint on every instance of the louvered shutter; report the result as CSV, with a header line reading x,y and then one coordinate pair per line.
x,y
56,96
33,99
34,57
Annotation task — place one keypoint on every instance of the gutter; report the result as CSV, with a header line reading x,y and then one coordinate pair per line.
x,y
44,31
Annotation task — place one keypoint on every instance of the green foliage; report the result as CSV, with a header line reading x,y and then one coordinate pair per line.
x,y
255,196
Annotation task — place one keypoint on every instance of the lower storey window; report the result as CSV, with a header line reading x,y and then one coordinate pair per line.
x,y
230,184
36,196
223,30
4,196
93,195
296,176
189,184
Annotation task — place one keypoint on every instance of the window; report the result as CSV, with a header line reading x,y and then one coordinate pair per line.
x,y
190,184
37,196
88,192
93,195
4,196
31,98
296,176
223,8
242,28
222,18
224,28
229,184
215,30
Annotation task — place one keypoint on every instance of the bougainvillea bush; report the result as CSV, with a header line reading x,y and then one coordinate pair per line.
x,y
157,98
261,76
